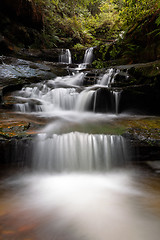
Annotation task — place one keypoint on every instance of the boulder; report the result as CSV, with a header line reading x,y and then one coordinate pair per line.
x,y
14,73
141,87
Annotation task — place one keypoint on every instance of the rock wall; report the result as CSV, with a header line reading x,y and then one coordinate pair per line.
x,y
21,22
24,11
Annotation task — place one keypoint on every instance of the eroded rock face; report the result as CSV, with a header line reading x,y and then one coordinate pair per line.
x,y
140,87
26,11
21,22
5,46
14,73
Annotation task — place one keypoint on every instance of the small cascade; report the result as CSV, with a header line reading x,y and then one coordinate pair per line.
x,y
108,77
60,93
88,57
67,93
61,98
95,100
84,100
58,98
79,152
117,95
65,56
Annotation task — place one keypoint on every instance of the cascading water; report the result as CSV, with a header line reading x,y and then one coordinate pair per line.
x,y
88,57
66,93
65,56
108,78
117,95
84,100
79,152
49,96
75,191
64,98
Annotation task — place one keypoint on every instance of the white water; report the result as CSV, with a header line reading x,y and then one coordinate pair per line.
x,y
65,56
84,207
108,77
88,57
64,93
56,94
117,95
79,152
83,101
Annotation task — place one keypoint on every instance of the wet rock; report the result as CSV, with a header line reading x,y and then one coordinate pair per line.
x,y
14,73
143,134
103,101
13,126
140,99
140,87
43,54
141,129
135,74
16,138
90,78
13,140
15,152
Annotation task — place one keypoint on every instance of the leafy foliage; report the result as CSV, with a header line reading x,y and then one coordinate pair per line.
x,y
90,22
131,11
73,21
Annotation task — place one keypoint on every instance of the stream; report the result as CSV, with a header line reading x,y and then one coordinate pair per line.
x,y
81,184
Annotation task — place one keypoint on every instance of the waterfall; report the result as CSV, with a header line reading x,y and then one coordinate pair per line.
x,y
71,189
117,95
79,152
65,56
60,98
60,93
88,57
84,100
94,103
108,77
68,93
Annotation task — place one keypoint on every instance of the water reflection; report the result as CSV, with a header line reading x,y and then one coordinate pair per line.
x,y
75,206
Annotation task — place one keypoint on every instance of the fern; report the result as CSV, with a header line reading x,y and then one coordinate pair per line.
x,y
158,21
154,32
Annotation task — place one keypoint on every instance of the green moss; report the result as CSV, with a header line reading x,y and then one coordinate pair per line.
x,y
145,129
78,47
98,64
101,128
